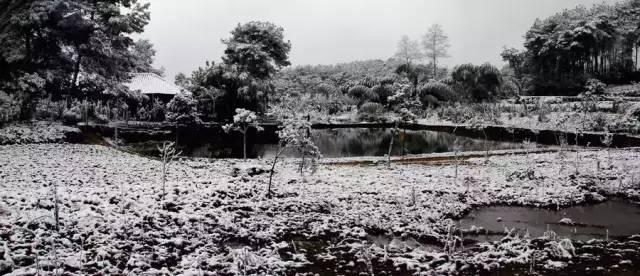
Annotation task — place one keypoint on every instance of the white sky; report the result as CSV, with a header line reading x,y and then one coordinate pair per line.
x,y
186,33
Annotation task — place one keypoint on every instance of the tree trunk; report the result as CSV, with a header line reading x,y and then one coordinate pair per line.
x,y
76,72
636,63
177,133
56,211
164,176
404,138
486,146
273,166
244,145
390,148
435,67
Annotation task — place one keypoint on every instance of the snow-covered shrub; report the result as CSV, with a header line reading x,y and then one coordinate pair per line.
x,y
562,248
383,92
544,109
9,108
182,110
370,112
595,87
363,94
72,116
156,111
457,114
26,90
243,120
434,92
142,114
633,112
489,113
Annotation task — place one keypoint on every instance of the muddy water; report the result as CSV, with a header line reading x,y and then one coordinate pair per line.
x,y
612,218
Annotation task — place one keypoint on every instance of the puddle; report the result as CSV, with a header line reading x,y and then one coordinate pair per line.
x,y
618,217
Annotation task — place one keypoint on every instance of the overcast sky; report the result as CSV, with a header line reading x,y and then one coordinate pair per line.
x,y
186,33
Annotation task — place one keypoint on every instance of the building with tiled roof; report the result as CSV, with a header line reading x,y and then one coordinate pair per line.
x,y
153,85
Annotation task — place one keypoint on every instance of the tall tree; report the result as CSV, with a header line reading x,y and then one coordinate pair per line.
x,y
255,52
517,63
257,49
435,43
408,51
77,46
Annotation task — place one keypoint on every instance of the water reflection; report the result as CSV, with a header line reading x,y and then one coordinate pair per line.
x,y
617,217
356,142
345,142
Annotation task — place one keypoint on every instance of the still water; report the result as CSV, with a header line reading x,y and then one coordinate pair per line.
x,y
617,217
352,142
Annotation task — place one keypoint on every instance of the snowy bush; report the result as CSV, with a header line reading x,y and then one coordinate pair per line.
x,y
72,116
363,94
432,93
371,112
182,110
595,87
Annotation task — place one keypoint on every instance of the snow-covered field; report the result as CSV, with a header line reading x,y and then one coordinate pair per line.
x,y
217,220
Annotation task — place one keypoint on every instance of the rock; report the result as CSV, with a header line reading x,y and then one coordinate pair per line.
x,y
566,221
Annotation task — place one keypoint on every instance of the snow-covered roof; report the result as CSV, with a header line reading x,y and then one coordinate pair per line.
x,y
150,83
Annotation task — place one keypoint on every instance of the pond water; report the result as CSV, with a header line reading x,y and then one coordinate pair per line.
x,y
345,142
619,218
354,142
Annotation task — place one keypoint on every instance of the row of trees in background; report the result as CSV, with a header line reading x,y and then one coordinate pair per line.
x,y
563,51
403,81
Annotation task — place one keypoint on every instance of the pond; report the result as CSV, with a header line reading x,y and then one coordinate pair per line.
x,y
613,218
344,142
355,142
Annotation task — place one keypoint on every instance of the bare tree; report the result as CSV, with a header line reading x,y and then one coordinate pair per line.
x,y
435,43
168,153
294,135
408,50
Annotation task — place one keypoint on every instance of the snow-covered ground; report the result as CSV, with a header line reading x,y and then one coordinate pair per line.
x,y
37,132
217,218
565,121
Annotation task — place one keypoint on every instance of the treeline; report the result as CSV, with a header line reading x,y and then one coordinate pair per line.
x,y
566,49
383,85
